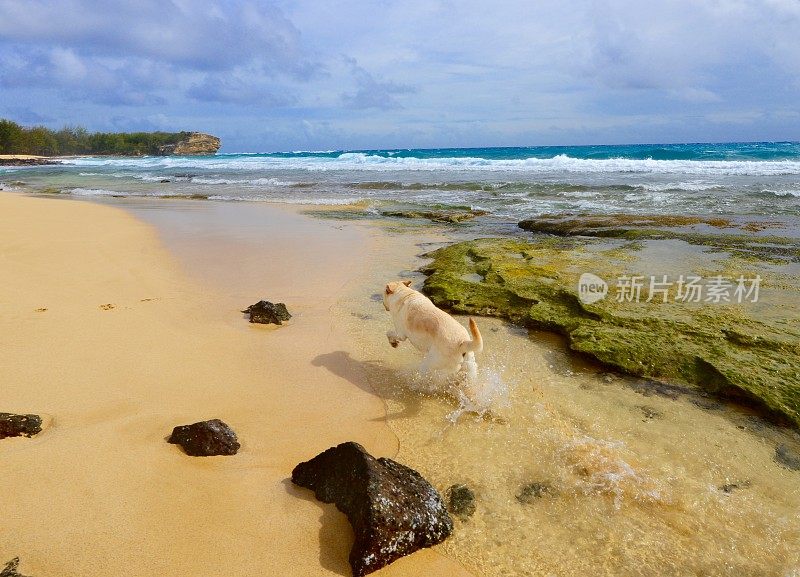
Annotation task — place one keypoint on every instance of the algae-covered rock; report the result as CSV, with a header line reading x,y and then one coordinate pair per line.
x,y
713,232
533,491
721,347
445,216
461,501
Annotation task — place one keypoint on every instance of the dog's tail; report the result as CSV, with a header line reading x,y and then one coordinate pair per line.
x,y
476,344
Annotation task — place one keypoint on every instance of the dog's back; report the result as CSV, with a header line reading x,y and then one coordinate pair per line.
x,y
428,327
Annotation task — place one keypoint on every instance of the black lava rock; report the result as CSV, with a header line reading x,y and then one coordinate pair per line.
x,y
461,500
11,569
265,312
206,439
19,425
392,509
788,457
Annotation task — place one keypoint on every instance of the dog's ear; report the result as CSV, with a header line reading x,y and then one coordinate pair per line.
x,y
389,290
407,282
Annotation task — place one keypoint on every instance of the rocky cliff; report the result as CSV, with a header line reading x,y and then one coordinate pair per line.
x,y
195,143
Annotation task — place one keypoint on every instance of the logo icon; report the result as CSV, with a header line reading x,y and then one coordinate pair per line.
x,y
591,288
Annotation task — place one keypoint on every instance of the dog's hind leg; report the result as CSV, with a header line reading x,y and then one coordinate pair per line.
x,y
430,362
469,366
394,338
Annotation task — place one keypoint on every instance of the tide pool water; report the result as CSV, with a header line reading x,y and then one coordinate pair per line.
x,y
577,471
756,179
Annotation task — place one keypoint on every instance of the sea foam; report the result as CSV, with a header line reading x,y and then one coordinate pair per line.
x,y
360,161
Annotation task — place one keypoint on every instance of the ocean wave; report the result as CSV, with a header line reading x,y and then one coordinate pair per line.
x,y
94,192
287,200
245,181
693,186
144,176
782,193
222,197
360,161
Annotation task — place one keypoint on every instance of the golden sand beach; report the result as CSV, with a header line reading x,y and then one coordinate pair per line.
x,y
113,342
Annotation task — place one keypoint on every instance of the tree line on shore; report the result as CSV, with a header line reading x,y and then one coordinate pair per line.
x,y
72,140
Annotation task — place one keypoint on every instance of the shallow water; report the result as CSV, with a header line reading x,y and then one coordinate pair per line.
x,y
631,479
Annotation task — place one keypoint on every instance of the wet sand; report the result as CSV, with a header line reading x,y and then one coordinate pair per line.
x,y
115,341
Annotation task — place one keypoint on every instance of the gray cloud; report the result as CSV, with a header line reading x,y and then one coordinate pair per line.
x,y
233,88
372,92
213,35
143,53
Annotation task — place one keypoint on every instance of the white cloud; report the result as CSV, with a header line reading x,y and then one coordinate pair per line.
x,y
418,72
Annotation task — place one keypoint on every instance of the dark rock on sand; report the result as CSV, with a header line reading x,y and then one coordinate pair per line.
x,y
265,312
788,457
11,569
392,509
461,500
532,491
206,439
12,425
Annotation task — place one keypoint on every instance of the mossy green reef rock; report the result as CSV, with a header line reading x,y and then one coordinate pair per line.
x,y
723,348
718,233
444,216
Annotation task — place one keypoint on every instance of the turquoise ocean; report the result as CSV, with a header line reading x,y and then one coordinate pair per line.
x,y
749,179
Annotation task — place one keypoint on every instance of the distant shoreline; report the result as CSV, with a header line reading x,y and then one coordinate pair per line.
x,y
26,160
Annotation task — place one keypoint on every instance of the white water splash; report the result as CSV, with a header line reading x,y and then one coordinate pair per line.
x,y
484,393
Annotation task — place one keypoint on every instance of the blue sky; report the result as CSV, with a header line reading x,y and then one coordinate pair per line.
x,y
331,74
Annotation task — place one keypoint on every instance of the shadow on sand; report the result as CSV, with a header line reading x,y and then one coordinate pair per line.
x,y
335,533
389,383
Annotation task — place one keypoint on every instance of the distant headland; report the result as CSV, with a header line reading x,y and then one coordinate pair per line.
x,y
76,141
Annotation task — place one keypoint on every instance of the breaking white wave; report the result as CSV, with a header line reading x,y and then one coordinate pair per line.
x,y
360,161
783,193
694,185
243,181
93,192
